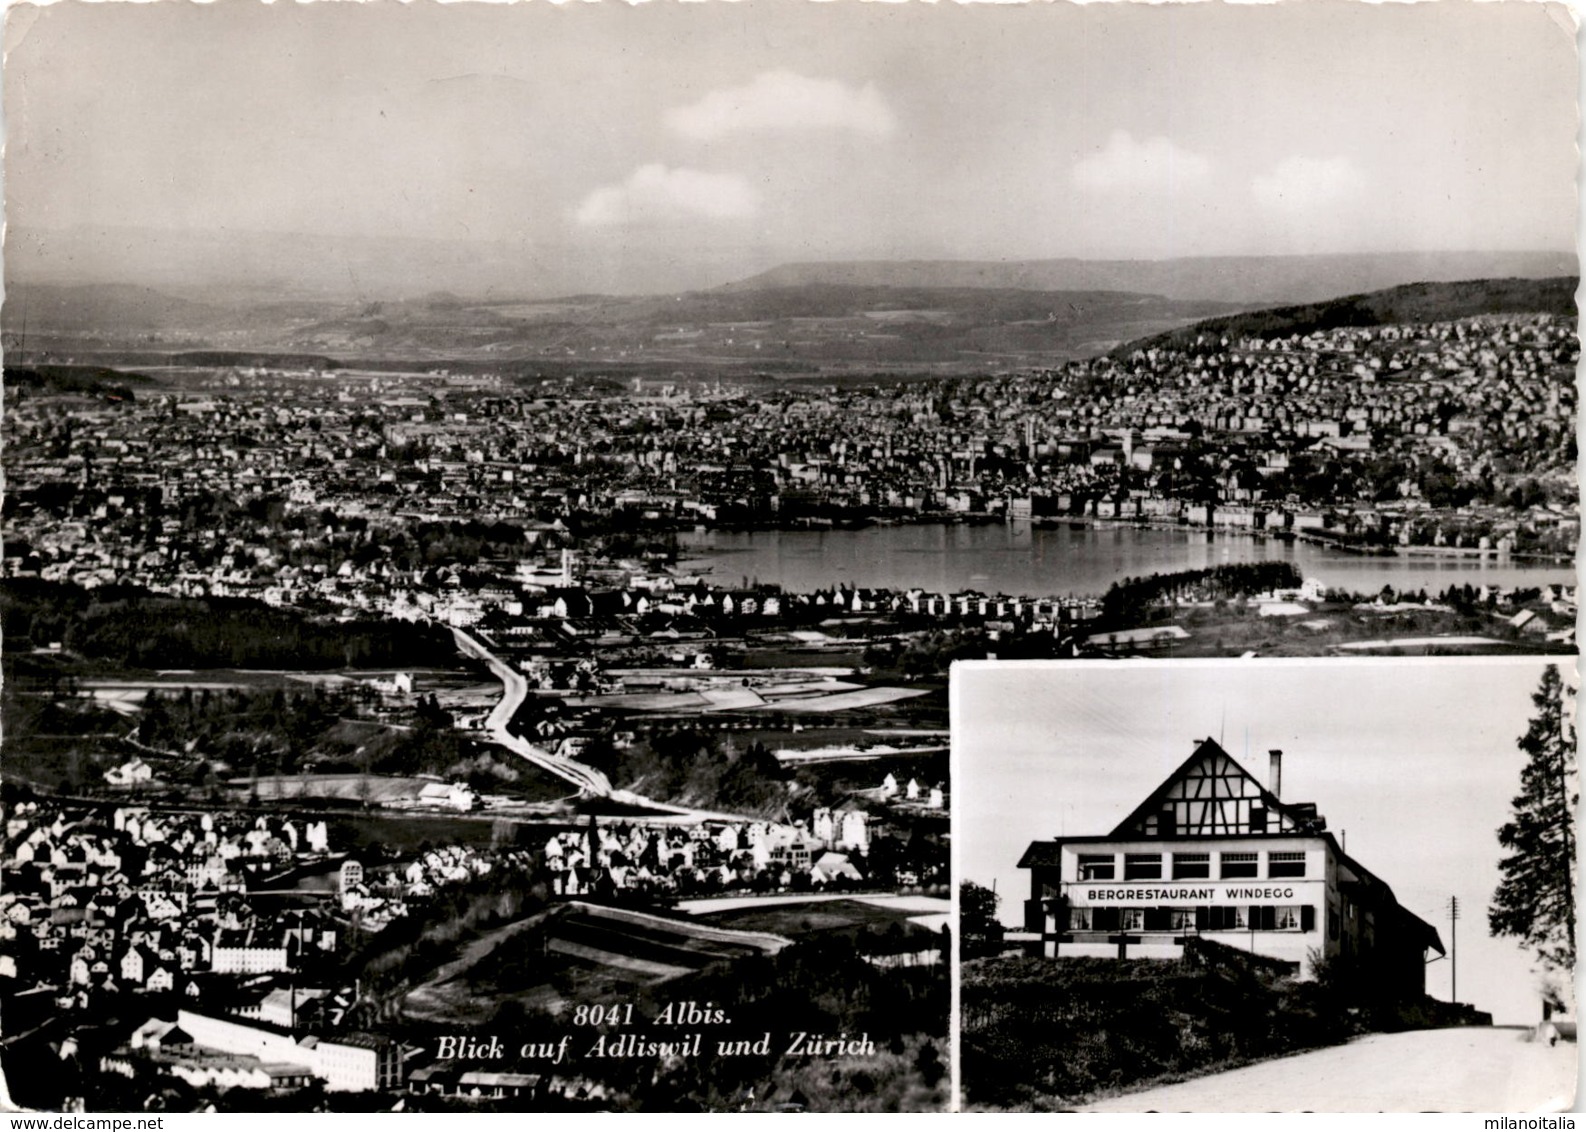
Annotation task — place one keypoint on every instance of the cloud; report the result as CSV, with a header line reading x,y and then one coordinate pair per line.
x,y
1152,165
655,193
1299,184
784,100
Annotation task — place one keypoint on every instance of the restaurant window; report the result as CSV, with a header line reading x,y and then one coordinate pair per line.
x,y
1285,865
1131,919
1142,866
1285,918
1192,866
1218,918
1079,919
1093,867
1159,919
1239,866
1183,919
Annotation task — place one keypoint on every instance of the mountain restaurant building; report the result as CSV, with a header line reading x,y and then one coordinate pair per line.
x,y
1212,853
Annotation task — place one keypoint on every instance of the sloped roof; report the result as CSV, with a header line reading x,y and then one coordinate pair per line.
x,y
1211,776
1042,854
1225,781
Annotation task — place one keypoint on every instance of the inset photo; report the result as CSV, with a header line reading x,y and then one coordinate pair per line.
x,y
1249,886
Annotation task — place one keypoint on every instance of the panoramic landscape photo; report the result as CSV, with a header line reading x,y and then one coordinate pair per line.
x,y
493,494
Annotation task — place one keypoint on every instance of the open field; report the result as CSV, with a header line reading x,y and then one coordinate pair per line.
x,y
438,998
838,656
374,788
792,672
852,754
1420,643
617,937
404,833
804,696
1333,629
809,688
127,692
808,914
846,701
577,953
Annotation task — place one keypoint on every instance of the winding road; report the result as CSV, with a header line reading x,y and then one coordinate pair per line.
x,y
590,782
515,689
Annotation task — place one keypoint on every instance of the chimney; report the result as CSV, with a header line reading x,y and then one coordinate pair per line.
x,y
1275,773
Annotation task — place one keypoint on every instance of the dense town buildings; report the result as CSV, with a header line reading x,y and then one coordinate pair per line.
x,y
1455,436
225,923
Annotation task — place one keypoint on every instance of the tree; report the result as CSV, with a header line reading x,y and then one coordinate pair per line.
x,y
977,912
1535,900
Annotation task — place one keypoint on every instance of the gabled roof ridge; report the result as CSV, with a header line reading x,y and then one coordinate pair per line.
x,y
1206,747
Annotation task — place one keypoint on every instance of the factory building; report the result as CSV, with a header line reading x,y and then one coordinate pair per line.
x,y
1213,853
350,1063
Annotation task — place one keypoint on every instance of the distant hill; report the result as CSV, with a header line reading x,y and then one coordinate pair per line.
x,y
1414,302
798,329
102,307
918,307
1242,280
814,328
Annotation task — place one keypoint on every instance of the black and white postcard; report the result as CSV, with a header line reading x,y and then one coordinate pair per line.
x,y
494,493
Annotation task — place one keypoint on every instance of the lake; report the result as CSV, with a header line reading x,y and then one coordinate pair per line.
x,y
1021,559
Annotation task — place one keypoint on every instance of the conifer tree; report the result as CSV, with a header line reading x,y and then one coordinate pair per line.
x,y
1535,900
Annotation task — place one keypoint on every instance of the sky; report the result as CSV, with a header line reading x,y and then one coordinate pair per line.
x,y
647,144
1413,763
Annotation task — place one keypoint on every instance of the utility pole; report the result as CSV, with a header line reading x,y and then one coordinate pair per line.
x,y
1453,950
